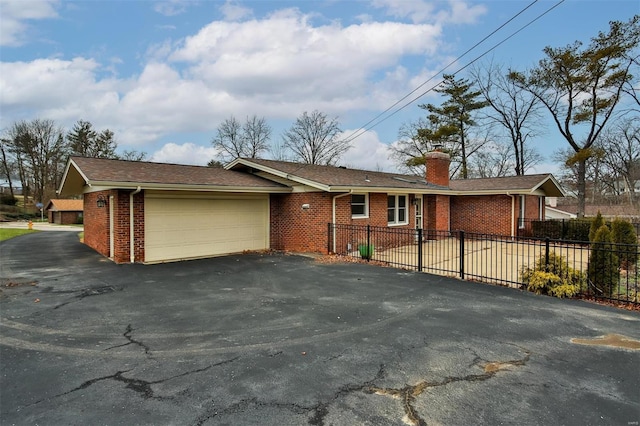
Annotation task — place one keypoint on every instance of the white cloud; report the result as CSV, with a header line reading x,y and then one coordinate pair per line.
x,y
186,153
423,11
171,7
15,15
416,10
56,89
368,153
285,60
233,11
276,67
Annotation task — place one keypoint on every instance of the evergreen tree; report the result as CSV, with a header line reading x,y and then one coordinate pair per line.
x,y
454,117
603,262
596,223
624,236
86,142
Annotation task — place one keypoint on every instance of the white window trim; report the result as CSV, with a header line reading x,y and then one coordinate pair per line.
x,y
366,206
521,212
406,210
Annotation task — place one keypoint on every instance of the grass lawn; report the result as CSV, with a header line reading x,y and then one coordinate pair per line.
x,y
6,233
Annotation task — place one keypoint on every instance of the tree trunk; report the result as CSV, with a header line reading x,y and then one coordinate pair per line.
x,y
7,169
582,186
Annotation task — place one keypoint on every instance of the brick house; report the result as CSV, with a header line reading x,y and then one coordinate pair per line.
x,y
152,212
64,212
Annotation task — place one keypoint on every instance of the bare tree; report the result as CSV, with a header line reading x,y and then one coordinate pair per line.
x,y
248,140
512,109
8,166
495,160
39,149
132,155
621,157
314,139
228,139
408,152
256,133
581,88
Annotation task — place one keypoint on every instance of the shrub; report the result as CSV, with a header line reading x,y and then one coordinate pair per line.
x,y
8,200
603,262
577,230
596,223
556,278
624,236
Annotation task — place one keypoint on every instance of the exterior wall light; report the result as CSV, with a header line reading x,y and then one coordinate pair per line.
x,y
306,207
101,202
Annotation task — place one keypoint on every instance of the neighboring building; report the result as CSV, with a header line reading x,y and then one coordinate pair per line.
x,y
64,212
570,211
153,212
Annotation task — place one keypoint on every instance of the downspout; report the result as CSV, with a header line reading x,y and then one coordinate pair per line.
x,y
132,255
333,218
513,213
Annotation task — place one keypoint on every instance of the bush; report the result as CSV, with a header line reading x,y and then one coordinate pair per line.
x,y
624,236
572,229
8,200
603,262
556,278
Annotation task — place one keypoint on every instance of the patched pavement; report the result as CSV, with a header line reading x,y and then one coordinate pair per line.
x,y
276,339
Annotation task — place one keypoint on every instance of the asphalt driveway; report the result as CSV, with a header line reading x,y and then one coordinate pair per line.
x,y
279,339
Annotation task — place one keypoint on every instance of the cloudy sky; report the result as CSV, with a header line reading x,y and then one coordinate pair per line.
x,y
163,74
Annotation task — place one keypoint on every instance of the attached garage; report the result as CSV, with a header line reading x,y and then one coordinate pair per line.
x,y
186,226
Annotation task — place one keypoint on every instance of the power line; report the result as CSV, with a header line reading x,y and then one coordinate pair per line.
x,y
377,119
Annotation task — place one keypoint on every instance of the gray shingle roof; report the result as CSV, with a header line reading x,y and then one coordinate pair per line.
x,y
106,170
331,176
502,183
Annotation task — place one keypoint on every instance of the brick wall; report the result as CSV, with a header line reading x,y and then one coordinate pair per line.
x,y
487,214
96,224
66,218
122,227
295,229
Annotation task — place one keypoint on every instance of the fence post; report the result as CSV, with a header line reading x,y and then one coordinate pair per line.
x,y
369,251
546,254
419,249
461,233
329,239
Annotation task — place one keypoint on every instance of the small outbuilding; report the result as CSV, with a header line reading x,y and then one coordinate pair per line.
x,y
65,212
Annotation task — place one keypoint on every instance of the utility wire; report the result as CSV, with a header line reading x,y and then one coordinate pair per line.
x,y
377,119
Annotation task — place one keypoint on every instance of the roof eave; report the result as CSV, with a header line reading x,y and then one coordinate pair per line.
x,y
101,185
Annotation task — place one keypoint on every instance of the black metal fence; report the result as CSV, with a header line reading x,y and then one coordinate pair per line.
x,y
543,265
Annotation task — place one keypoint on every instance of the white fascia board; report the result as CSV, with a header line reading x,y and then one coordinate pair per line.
x,y
552,179
102,186
389,190
66,172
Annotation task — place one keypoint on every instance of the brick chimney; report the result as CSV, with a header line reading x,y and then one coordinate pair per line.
x,y
437,163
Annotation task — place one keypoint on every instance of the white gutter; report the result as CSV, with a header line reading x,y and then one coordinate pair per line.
x,y
335,197
132,255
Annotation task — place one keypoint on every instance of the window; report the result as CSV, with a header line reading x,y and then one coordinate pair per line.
x,y
397,210
359,205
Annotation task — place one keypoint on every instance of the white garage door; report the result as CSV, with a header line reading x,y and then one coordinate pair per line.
x,y
190,227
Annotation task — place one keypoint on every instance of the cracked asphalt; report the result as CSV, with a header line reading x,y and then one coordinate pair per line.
x,y
272,339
